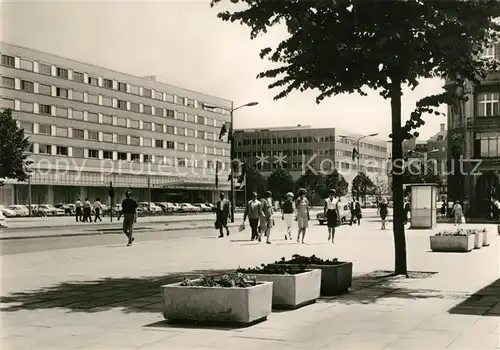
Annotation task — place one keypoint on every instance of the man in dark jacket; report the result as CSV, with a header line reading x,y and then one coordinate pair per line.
x,y
222,215
129,207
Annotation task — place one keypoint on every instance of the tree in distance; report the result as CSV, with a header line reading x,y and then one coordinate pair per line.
x,y
13,147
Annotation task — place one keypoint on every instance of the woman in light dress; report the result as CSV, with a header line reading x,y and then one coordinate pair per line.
x,y
457,213
331,211
302,209
288,210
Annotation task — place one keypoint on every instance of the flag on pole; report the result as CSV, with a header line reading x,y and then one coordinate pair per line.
x,y
226,129
216,175
242,180
355,154
223,131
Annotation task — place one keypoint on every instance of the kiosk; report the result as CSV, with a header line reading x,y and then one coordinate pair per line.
x,y
423,206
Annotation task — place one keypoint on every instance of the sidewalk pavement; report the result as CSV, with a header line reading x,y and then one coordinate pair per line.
x,y
95,229
108,297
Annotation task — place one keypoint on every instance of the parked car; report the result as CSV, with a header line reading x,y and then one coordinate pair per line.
x,y
344,212
8,213
177,206
118,208
20,210
167,207
150,207
212,206
202,207
49,209
3,222
69,209
188,208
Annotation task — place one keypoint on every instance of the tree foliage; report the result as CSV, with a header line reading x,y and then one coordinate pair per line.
x,y
362,185
346,46
416,172
280,182
318,185
13,146
255,182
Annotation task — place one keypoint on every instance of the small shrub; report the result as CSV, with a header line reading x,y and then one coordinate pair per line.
x,y
227,281
307,260
274,269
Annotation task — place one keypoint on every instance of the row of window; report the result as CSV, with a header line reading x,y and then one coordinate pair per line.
x,y
296,166
81,77
306,139
88,153
54,91
83,134
63,112
295,152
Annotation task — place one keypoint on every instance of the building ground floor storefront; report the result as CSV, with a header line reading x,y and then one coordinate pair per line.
x,y
52,189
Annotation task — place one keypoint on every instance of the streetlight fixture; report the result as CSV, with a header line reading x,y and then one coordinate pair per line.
x,y
232,148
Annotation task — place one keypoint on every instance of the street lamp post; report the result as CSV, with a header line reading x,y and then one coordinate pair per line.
x,y
232,149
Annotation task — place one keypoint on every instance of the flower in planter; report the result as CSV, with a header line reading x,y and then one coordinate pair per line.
x,y
307,260
273,269
456,232
227,281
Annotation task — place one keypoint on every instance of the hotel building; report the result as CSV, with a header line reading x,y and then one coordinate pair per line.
x,y
91,126
299,148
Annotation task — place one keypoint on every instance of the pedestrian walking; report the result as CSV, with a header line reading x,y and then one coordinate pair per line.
x,y
266,220
97,210
457,213
302,208
331,211
253,211
87,209
129,212
352,210
78,210
222,214
383,210
287,211
466,207
444,206
407,210
356,213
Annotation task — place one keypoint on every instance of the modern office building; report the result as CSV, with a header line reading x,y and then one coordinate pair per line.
x,y
474,142
91,126
300,148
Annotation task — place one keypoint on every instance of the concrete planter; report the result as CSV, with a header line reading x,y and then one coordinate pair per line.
x,y
478,240
485,238
238,306
452,243
335,279
293,291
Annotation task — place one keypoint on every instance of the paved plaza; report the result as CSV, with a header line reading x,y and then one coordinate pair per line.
x,y
108,296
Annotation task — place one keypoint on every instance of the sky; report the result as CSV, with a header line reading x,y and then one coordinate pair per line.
x,y
185,43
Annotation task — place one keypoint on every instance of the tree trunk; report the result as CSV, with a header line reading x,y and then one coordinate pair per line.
x,y
400,265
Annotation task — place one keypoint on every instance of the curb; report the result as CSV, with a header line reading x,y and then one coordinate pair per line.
x,y
101,233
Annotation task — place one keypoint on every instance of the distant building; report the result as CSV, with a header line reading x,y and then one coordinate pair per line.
x,y
90,126
300,148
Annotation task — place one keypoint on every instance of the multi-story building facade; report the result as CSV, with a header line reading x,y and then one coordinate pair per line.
x,y
300,148
90,126
474,143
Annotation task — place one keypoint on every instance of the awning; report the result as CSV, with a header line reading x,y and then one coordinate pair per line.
x,y
196,185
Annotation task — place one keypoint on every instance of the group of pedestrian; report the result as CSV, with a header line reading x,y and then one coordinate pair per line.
x,y
260,216
83,211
